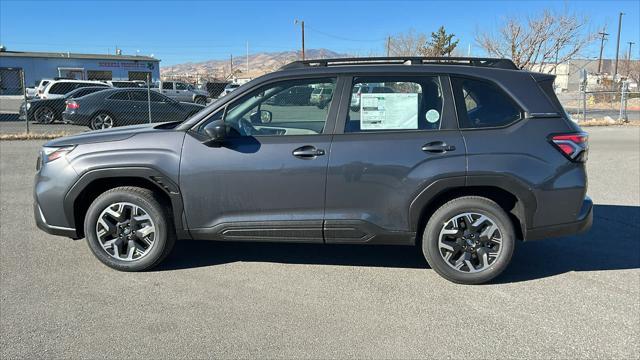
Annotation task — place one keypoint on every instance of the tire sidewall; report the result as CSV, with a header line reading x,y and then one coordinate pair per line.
x,y
41,110
152,208
483,206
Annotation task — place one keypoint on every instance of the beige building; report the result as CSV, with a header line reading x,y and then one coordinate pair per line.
x,y
568,74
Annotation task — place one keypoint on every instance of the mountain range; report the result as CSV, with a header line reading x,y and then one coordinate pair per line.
x,y
259,64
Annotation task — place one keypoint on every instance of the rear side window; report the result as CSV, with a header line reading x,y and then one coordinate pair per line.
x,y
395,104
482,104
122,95
167,85
62,88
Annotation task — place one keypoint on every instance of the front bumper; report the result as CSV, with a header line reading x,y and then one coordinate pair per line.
x,y
583,224
41,222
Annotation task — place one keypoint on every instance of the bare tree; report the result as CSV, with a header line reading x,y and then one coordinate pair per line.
x,y
540,40
634,70
410,43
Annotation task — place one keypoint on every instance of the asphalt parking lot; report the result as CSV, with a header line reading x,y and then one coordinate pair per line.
x,y
575,297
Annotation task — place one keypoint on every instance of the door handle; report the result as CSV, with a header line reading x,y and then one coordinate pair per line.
x,y
307,152
437,147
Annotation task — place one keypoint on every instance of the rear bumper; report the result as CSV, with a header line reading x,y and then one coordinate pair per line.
x,y
41,222
585,219
75,118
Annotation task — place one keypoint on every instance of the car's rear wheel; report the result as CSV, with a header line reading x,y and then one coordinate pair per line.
x,y
44,115
129,229
200,100
102,121
469,240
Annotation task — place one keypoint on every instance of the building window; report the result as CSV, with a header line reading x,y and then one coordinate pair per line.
x,y
140,75
71,73
10,81
99,75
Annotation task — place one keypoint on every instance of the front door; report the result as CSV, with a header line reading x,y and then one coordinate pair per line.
x,y
398,138
268,181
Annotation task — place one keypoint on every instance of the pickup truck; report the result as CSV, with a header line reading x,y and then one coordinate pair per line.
x,y
183,92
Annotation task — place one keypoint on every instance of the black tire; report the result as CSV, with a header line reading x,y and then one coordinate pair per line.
x,y
200,100
44,115
468,204
154,206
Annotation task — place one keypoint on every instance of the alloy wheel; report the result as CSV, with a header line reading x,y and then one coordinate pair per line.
x,y
470,242
102,121
45,115
125,231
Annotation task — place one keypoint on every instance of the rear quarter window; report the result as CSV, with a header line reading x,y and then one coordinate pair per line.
x,y
482,104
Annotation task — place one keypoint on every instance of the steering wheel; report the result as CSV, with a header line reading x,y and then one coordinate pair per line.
x,y
246,128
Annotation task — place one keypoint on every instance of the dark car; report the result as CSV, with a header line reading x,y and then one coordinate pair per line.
x,y
119,107
460,157
297,95
46,111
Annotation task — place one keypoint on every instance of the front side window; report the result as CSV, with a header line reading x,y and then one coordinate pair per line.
x,y
293,107
482,104
181,86
395,104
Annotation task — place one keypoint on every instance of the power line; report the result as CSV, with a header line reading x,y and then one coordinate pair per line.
x,y
342,37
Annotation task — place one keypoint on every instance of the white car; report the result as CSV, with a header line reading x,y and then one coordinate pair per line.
x,y
58,88
41,85
229,88
366,89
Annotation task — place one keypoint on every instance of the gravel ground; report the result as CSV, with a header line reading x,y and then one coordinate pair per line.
x,y
575,297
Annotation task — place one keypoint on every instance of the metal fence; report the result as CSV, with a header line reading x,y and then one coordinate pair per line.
x,y
69,106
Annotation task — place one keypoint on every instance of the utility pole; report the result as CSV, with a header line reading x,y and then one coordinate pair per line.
x,y
388,45
615,68
302,27
629,57
231,66
603,35
247,58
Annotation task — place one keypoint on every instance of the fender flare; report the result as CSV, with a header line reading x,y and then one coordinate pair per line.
x,y
524,211
153,175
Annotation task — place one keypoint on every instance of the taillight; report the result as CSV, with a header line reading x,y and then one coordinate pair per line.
x,y
72,105
574,146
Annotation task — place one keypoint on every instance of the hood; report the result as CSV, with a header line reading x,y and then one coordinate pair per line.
x,y
114,134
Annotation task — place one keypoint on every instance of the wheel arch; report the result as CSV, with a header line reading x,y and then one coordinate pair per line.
x,y
95,182
514,197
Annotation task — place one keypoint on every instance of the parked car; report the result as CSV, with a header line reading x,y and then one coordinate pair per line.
x,y
128,106
58,88
184,92
321,96
229,88
125,83
40,86
461,160
357,91
46,111
297,95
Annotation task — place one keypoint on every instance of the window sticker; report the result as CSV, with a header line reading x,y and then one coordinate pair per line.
x,y
389,111
432,116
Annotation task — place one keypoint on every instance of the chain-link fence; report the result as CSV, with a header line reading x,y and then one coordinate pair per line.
x,y
602,106
60,106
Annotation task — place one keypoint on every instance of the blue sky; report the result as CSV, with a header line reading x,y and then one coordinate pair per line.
x,y
186,31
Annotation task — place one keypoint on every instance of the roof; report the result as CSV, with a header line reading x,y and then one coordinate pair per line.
x,y
67,55
498,63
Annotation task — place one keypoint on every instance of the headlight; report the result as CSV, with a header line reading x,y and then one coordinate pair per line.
x,y
52,153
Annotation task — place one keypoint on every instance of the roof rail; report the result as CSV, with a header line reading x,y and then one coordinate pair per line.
x,y
404,60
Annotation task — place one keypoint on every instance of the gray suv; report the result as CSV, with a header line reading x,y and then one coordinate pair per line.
x,y
461,157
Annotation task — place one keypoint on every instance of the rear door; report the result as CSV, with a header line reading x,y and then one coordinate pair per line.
x,y
385,152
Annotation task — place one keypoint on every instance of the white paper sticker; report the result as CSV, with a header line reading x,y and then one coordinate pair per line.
x,y
388,111
432,116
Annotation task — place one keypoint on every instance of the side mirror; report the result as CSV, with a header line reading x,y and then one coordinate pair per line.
x,y
216,132
261,117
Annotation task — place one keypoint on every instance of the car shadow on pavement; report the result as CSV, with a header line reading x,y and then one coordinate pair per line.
x,y
611,244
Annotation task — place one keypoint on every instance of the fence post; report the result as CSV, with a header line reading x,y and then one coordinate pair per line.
x,y
24,94
584,103
623,102
149,95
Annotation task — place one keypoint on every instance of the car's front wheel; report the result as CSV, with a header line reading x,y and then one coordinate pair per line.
x,y
201,100
129,229
469,240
